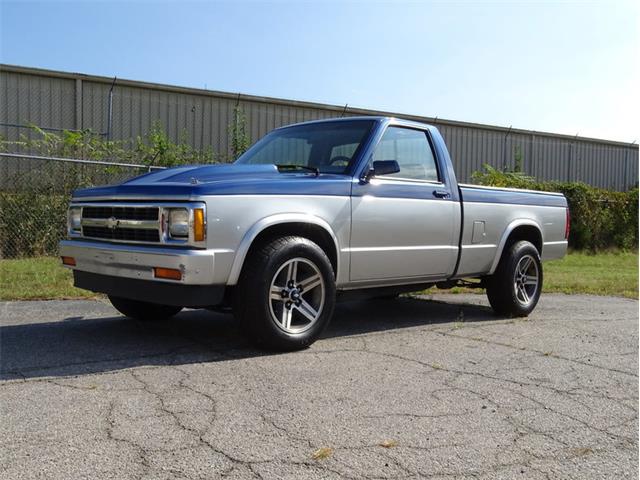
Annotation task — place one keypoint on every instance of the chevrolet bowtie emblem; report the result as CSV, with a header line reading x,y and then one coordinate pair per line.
x,y
112,223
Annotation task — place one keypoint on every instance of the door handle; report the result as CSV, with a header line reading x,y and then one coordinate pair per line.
x,y
441,194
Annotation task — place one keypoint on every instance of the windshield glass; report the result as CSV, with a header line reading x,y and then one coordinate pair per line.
x,y
329,147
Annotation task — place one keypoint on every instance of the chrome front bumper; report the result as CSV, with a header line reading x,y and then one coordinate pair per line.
x,y
198,267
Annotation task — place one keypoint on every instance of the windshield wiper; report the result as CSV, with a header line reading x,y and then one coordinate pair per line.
x,y
315,170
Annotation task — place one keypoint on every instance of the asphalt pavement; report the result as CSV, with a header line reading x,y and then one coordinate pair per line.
x,y
412,388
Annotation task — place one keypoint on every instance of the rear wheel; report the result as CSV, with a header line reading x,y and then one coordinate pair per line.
x,y
514,289
286,294
143,310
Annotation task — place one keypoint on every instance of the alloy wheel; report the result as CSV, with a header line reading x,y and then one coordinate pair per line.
x,y
526,280
296,295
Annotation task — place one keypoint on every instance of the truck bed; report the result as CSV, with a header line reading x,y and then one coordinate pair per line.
x,y
489,214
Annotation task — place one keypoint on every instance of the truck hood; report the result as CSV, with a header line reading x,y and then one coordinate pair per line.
x,y
228,179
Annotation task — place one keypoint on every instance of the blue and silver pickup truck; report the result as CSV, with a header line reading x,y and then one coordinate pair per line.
x,y
361,206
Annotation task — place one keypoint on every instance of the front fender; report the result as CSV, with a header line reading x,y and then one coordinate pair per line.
x,y
266,222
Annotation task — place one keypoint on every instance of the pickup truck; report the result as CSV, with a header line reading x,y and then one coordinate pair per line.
x,y
311,213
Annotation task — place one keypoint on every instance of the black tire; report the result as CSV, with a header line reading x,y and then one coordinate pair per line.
x,y
506,289
262,317
144,311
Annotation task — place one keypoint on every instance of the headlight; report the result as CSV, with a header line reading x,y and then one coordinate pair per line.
x,y
179,223
74,219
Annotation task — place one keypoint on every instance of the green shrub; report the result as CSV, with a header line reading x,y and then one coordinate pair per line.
x,y
600,218
154,148
31,224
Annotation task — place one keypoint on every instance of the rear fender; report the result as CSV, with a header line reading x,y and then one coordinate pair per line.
x,y
505,236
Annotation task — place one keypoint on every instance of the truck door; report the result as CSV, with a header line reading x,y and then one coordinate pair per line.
x,y
404,225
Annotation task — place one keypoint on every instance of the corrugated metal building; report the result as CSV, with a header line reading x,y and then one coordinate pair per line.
x,y
75,101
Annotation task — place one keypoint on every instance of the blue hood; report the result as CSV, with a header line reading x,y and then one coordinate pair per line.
x,y
230,179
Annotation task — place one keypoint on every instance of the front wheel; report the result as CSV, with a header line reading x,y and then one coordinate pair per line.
x,y
286,294
143,310
514,289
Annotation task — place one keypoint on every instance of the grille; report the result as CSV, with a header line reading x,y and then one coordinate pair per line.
x,y
123,234
109,222
121,213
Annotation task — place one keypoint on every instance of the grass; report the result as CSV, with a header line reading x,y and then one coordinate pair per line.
x,y
609,273
37,279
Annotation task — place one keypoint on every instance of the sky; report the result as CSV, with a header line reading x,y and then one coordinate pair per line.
x,y
564,67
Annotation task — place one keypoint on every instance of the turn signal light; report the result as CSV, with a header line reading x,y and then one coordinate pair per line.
x,y
198,224
168,273
69,261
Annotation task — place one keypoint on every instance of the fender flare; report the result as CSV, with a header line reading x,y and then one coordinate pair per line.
x,y
266,222
505,235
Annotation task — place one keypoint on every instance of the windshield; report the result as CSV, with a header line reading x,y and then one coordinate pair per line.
x,y
329,147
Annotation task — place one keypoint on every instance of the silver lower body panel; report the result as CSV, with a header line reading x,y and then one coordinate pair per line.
x,y
554,250
127,261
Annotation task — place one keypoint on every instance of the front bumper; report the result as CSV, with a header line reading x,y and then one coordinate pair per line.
x,y
163,293
127,271
198,267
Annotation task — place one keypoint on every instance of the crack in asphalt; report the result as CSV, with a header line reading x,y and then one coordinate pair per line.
x,y
469,421
545,354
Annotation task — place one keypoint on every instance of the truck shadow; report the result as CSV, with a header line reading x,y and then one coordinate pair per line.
x,y
78,345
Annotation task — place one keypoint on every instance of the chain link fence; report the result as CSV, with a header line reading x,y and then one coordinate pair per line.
x,y
35,193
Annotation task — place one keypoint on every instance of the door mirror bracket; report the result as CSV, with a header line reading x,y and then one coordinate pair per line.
x,y
382,167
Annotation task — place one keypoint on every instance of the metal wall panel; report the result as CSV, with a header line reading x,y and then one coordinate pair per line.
x,y
72,101
35,99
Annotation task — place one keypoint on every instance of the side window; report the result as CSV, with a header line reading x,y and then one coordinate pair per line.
x,y
411,149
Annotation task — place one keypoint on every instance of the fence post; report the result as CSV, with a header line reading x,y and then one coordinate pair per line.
x,y
504,148
570,158
627,166
110,109
569,162
79,125
531,151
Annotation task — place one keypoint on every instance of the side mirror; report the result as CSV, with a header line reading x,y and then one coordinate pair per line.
x,y
382,167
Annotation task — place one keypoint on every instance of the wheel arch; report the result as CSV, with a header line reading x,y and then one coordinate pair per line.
x,y
524,229
308,226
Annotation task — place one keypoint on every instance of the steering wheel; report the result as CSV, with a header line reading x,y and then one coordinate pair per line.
x,y
342,159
